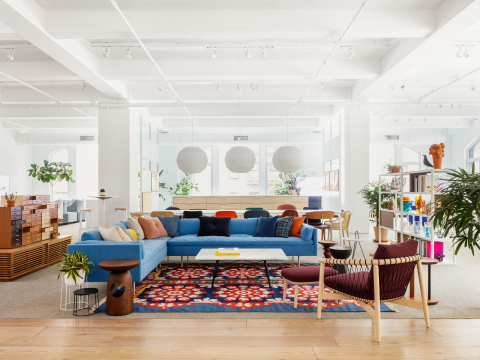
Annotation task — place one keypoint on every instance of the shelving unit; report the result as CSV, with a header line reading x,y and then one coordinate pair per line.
x,y
400,216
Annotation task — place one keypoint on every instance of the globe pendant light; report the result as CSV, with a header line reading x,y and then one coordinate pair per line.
x,y
192,160
240,159
287,159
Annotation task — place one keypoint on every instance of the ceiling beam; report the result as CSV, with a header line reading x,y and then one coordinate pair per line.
x,y
28,19
453,17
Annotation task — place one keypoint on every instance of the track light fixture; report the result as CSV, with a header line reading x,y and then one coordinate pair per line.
x,y
106,52
392,86
440,106
402,86
128,53
396,119
10,55
409,119
84,87
239,86
219,86
351,52
466,52
424,119
459,51
263,52
160,87
474,87
213,53
322,86
248,55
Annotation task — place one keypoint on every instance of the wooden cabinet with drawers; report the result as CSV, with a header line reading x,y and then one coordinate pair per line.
x,y
237,202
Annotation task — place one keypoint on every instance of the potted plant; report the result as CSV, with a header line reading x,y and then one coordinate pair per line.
x,y
279,189
11,198
289,182
392,169
75,268
370,195
391,204
52,173
298,181
183,187
457,209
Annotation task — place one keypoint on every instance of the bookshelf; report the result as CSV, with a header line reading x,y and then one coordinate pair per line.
x,y
411,184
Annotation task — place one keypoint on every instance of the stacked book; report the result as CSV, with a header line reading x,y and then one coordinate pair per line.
x,y
227,251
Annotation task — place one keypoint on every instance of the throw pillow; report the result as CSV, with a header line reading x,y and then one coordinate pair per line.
x,y
133,233
266,227
282,229
122,234
213,226
297,226
161,229
129,234
170,223
109,233
135,225
149,228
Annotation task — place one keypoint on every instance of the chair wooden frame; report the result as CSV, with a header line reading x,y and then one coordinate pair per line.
x,y
162,213
374,313
327,221
345,216
295,298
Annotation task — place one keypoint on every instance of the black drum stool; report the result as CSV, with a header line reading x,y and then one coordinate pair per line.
x,y
341,252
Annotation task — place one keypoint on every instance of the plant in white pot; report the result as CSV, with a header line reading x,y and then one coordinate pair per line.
x,y
370,195
75,268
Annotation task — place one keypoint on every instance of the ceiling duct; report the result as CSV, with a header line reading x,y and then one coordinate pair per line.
x,y
87,138
392,137
53,139
240,137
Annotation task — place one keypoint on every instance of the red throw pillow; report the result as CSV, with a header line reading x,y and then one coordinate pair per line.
x,y
149,228
297,226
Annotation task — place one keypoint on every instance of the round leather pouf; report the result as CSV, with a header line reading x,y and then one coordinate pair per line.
x,y
341,252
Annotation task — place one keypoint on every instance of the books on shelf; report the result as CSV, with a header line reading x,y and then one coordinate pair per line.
x,y
227,251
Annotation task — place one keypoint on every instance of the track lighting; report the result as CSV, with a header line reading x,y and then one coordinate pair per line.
x,y
392,86
219,86
160,87
128,53
403,85
466,52
248,55
84,87
459,51
213,53
10,55
440,106
106,52
409,119
396,119
239,86
257,86
451,106
263,52
424,119
352,53
474,87
322,86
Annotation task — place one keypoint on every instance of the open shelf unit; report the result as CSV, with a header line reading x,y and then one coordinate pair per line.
x,y
400,217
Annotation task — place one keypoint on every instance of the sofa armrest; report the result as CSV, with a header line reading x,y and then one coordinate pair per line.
x,y
308,233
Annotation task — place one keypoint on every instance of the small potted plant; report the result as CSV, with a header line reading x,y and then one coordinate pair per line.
x,y
102,192
75,268
289,179
11,198
298,182
392,169
391,204
370,194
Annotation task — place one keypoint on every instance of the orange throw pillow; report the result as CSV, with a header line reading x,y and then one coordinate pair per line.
x,y
297,226
150,228
159,225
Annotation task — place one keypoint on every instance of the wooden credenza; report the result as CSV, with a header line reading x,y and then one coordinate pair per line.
x,y
237,202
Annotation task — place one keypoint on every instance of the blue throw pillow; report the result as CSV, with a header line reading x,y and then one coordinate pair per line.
x,y
266,227
282,229
213,226
170,223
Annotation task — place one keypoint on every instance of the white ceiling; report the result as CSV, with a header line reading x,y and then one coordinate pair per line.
x,y
405,57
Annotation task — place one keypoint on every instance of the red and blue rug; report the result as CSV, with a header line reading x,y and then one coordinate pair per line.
x,y
238,288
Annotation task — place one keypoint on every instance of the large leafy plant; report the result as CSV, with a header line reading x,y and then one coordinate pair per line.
x,y
73,264
370,195
52,172
183,187
457,210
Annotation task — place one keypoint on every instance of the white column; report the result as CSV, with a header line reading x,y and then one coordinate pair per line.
x,y
262,170
356,149
72,159
118,158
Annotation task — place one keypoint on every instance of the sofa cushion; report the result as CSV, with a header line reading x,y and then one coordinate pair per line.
x,y
214,226
306,233
306,273
297,225
153,246
282,228
243,226
170,223
135,225
110,233
152,228
266,227
403,249
236,240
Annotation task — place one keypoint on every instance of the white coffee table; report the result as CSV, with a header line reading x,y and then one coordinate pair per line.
x,y
246,255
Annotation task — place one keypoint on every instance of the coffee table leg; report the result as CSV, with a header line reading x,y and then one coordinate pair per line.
x,y
268,275
215,272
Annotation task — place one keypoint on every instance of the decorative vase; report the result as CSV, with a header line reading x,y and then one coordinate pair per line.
x,y
437,151
383,234
390,207
10,203
298,192
291,192
103,193
70,282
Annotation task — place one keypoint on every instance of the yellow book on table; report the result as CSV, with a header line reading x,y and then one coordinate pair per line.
x,y
227,251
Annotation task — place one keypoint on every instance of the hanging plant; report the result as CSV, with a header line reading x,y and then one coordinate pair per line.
x,y
183,187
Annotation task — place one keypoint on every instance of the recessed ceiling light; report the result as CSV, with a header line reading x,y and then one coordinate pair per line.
x,y
106,52
128,53
10,55
248,55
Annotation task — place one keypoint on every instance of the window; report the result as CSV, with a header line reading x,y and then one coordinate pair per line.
x,y
238,184
326,132
273,175
410,158
473,156
204,179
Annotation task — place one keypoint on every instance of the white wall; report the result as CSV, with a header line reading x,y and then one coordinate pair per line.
x,y
457,143
15,160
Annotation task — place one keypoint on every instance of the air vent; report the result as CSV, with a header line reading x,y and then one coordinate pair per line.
x,y
392,137
86,138
238,137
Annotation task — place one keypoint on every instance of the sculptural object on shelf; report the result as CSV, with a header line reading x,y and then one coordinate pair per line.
x,y
437,152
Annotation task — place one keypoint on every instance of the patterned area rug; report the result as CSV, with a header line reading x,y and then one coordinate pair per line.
x,y
239,287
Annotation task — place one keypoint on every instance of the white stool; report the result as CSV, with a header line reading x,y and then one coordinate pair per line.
x,y
89,213
122,210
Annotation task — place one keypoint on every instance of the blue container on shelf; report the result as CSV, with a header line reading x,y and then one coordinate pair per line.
x,y
406,204
416,227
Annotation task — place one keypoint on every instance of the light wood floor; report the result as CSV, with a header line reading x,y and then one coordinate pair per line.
x,y
237,339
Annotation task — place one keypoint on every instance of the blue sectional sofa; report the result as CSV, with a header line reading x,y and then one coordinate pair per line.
x,y
152,252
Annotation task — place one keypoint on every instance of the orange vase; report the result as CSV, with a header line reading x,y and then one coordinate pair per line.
x,y
437,161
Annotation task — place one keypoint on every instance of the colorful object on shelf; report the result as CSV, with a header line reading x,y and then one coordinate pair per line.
x,y
437,249
437,151
418,204
102,192
416,227
427,229
406,204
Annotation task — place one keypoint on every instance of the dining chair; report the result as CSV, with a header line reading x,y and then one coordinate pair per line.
x,y
250,214
136,214
254,208
228,214
172,208
162,213
192,214
286,207
325,216
289,213
345,218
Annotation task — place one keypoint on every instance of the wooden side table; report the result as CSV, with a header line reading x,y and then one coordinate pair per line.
x,y
326,249
120,286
